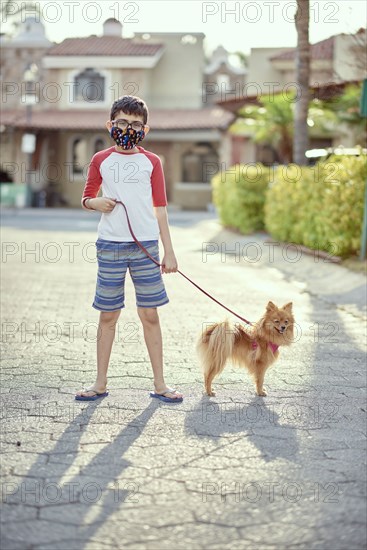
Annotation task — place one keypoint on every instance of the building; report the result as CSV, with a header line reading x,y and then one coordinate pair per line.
x,y
337,59
73,86
335,62
221,78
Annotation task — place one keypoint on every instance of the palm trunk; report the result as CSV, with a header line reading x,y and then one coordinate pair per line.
x,y
301,139
286,147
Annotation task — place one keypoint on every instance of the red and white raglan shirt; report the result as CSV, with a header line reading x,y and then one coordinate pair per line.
x,y
137,180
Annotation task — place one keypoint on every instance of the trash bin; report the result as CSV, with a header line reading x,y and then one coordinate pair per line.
x,y
13,194
39,199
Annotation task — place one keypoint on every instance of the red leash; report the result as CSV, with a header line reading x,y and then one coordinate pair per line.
x,y
178,271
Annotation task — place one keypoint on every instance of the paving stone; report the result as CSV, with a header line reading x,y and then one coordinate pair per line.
x,y
231,472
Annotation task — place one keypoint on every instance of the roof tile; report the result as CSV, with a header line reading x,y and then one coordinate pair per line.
x,y
103,45
159,119
320,50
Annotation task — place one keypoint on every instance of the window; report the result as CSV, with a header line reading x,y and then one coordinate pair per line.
x,y
80,158
89,86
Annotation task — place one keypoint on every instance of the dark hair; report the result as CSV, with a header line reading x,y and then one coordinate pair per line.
x,y
131,105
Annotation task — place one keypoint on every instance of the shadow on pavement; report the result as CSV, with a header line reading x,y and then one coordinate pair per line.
x,y
93,488
255,420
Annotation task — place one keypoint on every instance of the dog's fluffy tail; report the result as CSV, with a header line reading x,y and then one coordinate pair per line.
x,y
214,347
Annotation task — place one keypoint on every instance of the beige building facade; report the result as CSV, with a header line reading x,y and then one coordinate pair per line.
x,y
73,86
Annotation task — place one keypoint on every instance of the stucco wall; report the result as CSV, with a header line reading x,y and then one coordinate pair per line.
x,y
171,88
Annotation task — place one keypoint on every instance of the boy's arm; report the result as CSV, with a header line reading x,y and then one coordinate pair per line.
x,y
169,262
92,186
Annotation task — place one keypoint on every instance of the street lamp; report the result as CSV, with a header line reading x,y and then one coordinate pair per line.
x,y
30,98
363,113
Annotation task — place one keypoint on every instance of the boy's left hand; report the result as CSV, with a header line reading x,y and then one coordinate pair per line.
x,y
169,263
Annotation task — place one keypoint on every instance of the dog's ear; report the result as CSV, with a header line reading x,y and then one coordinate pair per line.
x,y
288,306
270,306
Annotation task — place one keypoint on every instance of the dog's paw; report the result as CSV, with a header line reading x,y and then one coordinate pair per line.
x,y
262,393
211,393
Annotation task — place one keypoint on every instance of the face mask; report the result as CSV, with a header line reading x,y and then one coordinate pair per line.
x,y
128,138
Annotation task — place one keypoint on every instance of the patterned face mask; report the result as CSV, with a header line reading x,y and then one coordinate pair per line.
x,y
128,138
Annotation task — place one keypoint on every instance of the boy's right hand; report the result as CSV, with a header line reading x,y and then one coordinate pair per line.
x,y
102,204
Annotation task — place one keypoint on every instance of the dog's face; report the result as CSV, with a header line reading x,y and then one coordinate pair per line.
x,y
279,322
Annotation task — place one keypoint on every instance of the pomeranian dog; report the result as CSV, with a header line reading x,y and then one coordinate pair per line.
x,y
255,348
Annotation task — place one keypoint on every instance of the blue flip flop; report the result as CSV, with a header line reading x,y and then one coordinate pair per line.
x,y
162,397
90,397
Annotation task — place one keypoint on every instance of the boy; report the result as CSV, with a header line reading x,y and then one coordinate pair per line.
x,y
130,174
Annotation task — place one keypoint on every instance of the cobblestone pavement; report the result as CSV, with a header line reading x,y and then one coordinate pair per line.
x,y
231,472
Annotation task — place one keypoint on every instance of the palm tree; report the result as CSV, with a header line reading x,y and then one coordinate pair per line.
x,y
11,9
270,123
7,10
301,137
346,110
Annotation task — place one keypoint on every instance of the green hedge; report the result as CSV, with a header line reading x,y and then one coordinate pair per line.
x,y
239,195
321,206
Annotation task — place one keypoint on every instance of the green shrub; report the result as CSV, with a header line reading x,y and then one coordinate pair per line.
x,y
343,204
239,195
292,200
321,206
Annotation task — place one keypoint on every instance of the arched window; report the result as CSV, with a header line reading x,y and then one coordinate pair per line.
x,y
89,86
199,163
80,157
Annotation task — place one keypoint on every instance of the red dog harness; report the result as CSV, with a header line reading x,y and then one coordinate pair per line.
x,y
272,346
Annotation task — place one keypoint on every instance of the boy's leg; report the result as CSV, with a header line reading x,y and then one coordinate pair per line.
x,y
153,339
105,338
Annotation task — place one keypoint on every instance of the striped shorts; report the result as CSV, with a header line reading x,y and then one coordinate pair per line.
x,y
114,258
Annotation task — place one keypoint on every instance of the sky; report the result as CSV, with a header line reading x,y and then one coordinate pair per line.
x,y
237,25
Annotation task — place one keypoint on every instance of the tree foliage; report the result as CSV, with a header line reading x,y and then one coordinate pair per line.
x,y
271,122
